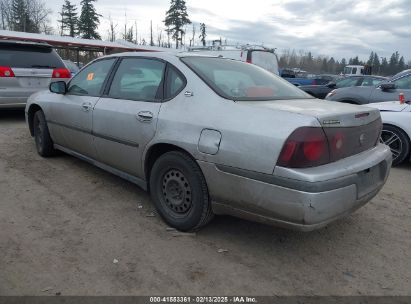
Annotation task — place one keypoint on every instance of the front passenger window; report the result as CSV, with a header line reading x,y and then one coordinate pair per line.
x,y
90,80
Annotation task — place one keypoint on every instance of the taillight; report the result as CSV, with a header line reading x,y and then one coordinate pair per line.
x,y
306,147
61,73
6,72
314,146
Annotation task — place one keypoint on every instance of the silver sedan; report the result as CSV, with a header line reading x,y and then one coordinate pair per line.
x,y
207,135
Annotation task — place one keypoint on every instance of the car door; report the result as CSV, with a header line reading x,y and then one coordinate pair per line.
x,y
402,85
125,118
71,115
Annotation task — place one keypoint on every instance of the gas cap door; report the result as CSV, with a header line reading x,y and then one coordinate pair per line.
x,y
209,142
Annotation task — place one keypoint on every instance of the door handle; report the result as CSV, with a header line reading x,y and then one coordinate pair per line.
x,y
145,116
86,106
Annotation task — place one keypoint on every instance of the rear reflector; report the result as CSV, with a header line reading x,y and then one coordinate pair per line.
x,y
61,73
6,72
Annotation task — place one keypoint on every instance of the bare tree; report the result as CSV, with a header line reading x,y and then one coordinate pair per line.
x,y
192,40
112,29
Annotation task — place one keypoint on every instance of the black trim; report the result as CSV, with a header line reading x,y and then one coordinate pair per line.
x,y
312,187
106,137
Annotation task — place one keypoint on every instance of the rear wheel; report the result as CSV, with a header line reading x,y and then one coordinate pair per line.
x,y
398,141
179,191
44,143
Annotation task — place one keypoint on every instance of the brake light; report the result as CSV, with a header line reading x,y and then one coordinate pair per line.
x,y
314,146
61,73
306,147
402,98
6,72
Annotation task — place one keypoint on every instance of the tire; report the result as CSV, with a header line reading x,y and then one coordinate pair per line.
x,y
179,192
398,141
44,143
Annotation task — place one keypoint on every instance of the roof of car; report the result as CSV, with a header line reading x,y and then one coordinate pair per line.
x,y
27,43
162,55
400,74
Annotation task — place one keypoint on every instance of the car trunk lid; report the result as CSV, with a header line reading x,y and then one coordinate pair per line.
x,y
33,77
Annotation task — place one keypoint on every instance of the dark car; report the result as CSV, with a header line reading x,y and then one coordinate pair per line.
x,y
384,91
320,91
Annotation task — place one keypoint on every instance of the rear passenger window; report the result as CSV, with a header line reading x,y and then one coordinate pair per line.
x,y
175,83
90,80
138,79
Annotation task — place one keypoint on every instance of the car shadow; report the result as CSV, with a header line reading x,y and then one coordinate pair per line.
x,y
11,115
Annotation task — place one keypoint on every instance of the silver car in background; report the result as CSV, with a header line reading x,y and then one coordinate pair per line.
x,y
26,68
208,135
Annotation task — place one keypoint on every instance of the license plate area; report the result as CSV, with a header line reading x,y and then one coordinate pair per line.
x,y
371,179
33,82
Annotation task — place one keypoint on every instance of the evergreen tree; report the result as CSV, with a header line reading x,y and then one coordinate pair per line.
x,y
89,20
20,18
69,19
203,33
401,64
176,19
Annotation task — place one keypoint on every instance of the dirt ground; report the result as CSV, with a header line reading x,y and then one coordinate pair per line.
x,y
63,222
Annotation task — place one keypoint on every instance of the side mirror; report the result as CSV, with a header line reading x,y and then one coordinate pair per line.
x,y
331,85
387,86
58,87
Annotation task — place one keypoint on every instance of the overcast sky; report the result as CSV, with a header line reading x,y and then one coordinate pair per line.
x,y
342,28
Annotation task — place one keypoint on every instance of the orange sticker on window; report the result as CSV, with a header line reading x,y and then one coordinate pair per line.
x,y
90,76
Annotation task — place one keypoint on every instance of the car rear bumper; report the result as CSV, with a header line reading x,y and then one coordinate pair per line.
x,y
300,204
13,102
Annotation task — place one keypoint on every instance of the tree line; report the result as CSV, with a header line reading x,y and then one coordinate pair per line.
x,y
33,16
324,64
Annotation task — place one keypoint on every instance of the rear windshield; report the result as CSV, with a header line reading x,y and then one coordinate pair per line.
x,y
17,56
266,60
237,80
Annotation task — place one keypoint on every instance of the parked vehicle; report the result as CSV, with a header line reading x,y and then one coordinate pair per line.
x,y
255,54
396,132
302,78
209,135
357,70
321,91
72,67
384,91
25,68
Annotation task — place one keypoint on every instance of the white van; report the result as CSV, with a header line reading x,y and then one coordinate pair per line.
x,y
258,55
356,70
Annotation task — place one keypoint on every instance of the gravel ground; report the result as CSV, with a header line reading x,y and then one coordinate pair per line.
x,y
63,223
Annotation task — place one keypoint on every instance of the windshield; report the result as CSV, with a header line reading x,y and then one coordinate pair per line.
x,y
266,60
237,80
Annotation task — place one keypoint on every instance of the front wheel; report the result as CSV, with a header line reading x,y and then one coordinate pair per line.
x,y
179,192
44,143
398,141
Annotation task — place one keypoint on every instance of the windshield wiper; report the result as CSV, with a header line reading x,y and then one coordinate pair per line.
x,y
43,66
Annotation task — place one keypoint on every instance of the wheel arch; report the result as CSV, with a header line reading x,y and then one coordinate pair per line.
x,y
404,131
30,116
155,151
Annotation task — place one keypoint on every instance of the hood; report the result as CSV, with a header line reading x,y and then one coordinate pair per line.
x,y
389,106
329,114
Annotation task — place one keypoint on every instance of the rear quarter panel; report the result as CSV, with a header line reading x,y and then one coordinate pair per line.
x,y
252,137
